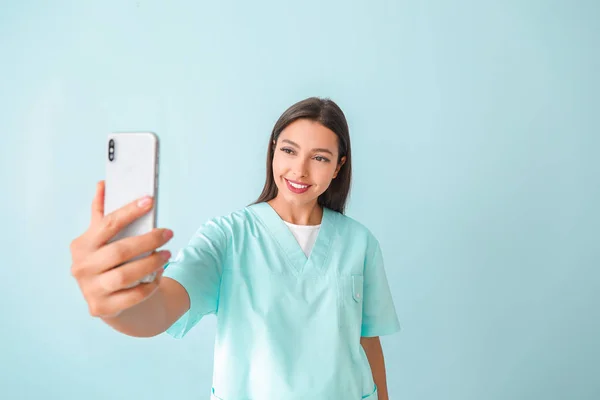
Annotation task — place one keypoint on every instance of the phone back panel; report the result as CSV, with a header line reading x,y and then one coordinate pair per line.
x,y
132,174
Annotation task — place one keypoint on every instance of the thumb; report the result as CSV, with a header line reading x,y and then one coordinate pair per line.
x,y
98,203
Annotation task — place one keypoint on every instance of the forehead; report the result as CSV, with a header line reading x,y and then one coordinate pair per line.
x,y
310,134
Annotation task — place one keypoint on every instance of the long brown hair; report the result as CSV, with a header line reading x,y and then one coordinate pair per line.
x,y
328,114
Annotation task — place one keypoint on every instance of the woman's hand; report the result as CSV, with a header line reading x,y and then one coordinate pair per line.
x,y
104,287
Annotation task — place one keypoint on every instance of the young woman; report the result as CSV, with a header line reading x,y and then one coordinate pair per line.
x,y
299,289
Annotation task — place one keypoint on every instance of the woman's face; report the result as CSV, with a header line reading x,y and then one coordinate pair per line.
x,y
305,161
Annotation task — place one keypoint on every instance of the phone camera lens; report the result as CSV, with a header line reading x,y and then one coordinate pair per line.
x,y
111,150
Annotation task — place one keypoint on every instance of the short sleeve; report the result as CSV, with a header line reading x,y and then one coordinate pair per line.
x,y
379,312
198,268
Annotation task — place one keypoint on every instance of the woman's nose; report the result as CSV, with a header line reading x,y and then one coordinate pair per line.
x,y
300,168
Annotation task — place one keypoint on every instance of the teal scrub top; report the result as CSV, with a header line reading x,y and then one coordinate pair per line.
x,y
288,326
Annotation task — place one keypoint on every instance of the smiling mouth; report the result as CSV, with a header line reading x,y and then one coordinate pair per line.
x,y
296,187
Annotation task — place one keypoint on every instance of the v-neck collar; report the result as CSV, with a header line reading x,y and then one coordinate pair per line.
x,y
288,243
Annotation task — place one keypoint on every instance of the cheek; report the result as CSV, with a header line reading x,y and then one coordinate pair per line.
x,y
278,168
282,163
323,176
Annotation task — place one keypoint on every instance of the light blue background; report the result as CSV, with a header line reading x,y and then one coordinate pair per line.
x,y
475,132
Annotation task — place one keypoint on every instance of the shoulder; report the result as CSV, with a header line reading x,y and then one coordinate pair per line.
x,y
348,226
231,222
361,239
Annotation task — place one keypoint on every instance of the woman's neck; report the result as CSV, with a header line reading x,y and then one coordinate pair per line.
x,y
308,214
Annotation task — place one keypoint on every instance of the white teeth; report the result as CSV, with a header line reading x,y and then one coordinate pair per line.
x,y
298,186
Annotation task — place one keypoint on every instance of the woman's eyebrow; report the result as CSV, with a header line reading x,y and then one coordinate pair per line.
x,y
318,150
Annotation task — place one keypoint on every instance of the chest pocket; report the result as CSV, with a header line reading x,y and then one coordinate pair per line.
x,y
351,298
357,288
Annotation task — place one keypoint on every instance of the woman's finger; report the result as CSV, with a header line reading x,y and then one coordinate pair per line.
x,y
124,276
98,204
124,250
108,226
119,301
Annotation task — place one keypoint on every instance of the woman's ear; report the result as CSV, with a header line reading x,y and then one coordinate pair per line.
x,y
340,164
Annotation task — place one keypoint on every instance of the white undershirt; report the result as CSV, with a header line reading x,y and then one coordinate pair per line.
x,y
306,235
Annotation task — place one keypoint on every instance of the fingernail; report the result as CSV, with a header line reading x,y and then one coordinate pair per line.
x,y
144,202
167,234
165,254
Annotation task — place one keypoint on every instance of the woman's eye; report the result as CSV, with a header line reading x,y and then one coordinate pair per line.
x,y
291,151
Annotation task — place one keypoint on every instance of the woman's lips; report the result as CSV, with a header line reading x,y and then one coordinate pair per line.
x,y
296,187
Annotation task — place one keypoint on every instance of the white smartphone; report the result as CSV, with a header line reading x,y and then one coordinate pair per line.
x,y
131,173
